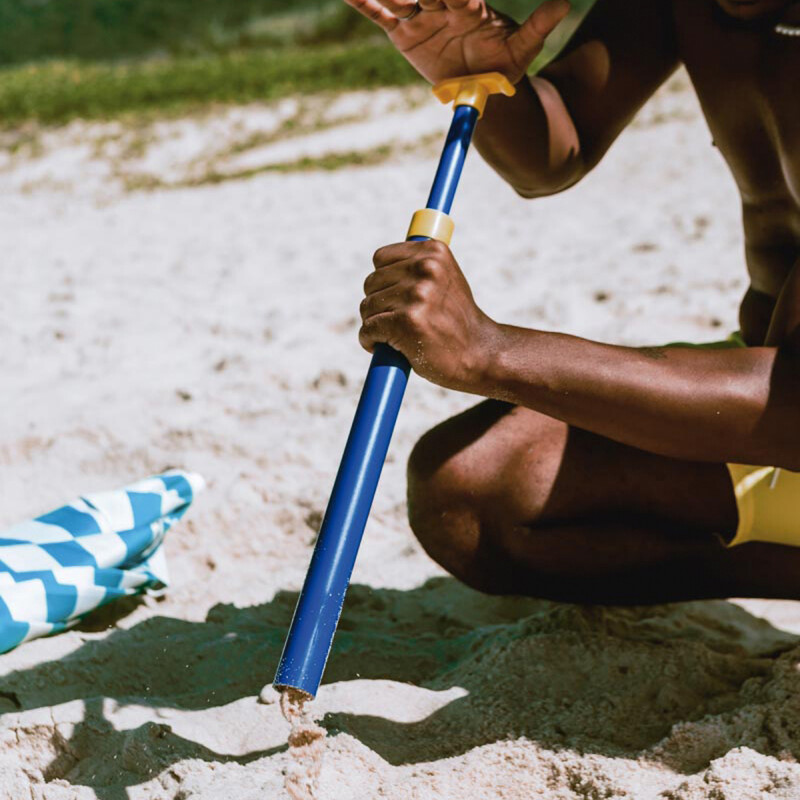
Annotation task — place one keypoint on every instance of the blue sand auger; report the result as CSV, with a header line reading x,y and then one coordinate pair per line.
x,y
308,642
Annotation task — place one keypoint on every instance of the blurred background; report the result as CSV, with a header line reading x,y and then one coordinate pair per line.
x,y
101,58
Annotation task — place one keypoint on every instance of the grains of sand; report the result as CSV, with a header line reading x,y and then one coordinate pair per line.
x,y
306,746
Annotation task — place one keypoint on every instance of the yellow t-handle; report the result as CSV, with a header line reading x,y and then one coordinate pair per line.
x,y
473,90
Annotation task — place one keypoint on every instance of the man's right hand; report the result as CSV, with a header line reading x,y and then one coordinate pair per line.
x,y
463,37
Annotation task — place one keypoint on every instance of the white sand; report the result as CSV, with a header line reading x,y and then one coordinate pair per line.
x,y
306,745
215,328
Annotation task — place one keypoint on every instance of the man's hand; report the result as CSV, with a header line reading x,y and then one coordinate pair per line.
x,y
418,301
463,37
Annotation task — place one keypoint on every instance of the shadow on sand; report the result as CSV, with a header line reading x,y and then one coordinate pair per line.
x,y
530,668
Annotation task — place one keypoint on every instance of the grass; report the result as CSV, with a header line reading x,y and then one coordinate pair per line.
x,y
32,30
57,92
310,46
328,162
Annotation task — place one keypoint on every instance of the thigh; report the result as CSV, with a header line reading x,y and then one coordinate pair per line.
x,y
563,513
531,469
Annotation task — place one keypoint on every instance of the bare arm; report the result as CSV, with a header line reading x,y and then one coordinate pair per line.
x,y
531,141
560,123
734,405
731,405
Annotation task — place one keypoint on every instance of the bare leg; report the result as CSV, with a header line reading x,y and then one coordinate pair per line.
x,y
513,502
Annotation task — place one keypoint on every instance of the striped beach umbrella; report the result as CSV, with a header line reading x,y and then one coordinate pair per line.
x,y
58,567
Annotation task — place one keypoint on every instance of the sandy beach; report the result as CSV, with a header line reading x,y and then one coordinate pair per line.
x,y
184,293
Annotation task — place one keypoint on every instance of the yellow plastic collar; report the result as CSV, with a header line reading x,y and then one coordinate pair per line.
x,y
431,223
473,90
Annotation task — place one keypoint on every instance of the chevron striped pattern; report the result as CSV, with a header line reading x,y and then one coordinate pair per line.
x,y
57,568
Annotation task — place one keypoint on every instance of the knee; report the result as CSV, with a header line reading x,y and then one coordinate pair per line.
x,y
439,486
444,502
432,486
446,450
478,466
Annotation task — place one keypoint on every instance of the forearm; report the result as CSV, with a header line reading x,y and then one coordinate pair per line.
x,y
530,139
732,405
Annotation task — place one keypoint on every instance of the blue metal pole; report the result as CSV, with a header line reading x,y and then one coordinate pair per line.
x,y
451,162
318,608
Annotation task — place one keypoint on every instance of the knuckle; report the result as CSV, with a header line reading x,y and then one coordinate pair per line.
x,y
436,247
384,255
413,320
363,308
427,267
419,292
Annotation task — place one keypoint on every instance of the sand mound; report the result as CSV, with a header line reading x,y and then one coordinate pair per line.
x,y
508,695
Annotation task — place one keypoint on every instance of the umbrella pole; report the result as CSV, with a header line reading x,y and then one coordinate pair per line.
x,y
318,608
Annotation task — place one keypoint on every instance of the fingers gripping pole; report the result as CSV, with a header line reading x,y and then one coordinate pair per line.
x,y
320,603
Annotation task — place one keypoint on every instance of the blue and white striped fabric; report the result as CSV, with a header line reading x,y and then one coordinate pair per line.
x,y
58,567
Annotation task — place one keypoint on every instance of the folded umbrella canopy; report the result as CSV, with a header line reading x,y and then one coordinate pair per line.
x,y
57,568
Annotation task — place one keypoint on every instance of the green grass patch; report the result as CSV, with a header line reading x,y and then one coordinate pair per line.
x,y
56,92
328,162
211,52
32,30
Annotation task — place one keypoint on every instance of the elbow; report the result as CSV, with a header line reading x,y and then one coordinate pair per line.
x,y
529,194
552,184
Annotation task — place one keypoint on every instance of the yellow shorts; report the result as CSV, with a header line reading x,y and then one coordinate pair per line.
x,y
767,498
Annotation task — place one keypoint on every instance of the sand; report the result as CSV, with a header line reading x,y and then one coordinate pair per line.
x,y
214,327
306,745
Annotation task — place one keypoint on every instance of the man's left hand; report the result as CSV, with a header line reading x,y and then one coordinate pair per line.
x,y
419,302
